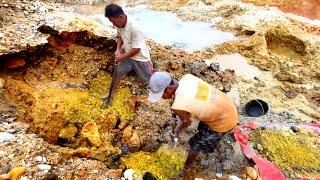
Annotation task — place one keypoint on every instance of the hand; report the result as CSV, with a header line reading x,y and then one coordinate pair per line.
x,y
117,53
178,129
119,58
182,125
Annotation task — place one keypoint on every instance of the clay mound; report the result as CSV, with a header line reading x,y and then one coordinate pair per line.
x,y
306,8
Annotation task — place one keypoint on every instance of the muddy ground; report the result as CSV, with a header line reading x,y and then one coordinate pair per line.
x,y
53,124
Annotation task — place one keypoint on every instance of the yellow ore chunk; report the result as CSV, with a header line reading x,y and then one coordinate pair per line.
x,y
15,173
90,131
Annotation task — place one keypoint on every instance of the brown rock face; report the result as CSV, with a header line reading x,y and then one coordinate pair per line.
x,y
63,40
15,62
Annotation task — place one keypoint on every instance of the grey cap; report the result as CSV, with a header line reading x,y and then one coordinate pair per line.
x,y
159,81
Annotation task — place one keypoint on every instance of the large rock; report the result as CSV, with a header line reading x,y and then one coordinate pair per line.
x,y
149,126
90,131
67,134
289,77
231,154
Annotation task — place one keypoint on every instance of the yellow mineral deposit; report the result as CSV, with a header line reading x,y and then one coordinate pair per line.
x,y
292,152
65,108
14,174
183,2
165,163
120,104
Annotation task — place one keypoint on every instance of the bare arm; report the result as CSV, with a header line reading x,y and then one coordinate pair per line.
x,y
127,55
119,44
119,56
185,120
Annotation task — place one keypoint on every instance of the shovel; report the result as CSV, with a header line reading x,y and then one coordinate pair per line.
x,y
109,98
175,139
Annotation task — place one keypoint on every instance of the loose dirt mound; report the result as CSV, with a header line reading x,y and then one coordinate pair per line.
x,y
307,8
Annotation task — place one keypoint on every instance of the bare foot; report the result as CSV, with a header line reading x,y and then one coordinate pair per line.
x,y
104,96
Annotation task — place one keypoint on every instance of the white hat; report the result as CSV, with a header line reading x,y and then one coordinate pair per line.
x,y
159,81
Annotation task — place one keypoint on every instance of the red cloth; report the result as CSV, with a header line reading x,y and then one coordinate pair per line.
x,y
267,169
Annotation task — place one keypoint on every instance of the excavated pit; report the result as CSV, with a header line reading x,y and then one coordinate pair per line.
x,y
288,46
55,88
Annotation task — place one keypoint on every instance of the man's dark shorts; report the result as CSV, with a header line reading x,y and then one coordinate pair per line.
x,y
205,140
144,70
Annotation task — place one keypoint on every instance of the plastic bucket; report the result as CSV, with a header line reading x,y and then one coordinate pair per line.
x,y
256,108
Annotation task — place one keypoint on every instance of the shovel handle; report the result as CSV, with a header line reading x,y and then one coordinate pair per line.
x,y
108,99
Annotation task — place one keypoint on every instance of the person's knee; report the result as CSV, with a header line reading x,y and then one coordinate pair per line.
x,y
121,71
123,68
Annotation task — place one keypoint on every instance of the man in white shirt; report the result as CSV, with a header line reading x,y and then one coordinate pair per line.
x,y
136,54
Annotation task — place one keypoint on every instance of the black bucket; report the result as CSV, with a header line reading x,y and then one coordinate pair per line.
x,y
256,108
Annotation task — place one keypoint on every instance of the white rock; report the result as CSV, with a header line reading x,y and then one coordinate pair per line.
x,y
201,4
6,137
44,167
232,177
20,141
28,165
128,174
11,131
38,159
41,159
44,159
23,178
2,153
219,174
